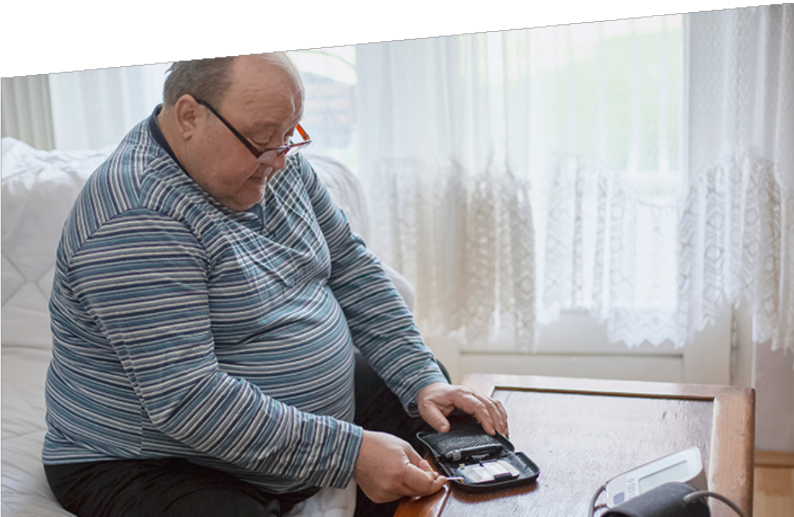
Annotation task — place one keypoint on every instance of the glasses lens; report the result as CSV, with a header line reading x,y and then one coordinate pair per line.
x,y
297,147
272,154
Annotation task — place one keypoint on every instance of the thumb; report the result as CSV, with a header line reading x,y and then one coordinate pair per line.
x,y
436,418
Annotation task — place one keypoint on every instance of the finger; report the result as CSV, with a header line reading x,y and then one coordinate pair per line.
x,y
417,481
424,465
413,457
499,415
503,414
436,419
470,403
495,411
493,415
436,483
430,471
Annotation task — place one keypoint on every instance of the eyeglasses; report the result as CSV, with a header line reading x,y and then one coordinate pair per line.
x,y
261,157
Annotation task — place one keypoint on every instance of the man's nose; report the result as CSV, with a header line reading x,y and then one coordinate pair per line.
x,y
275,160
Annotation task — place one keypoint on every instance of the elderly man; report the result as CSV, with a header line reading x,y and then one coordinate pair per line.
x,y
206,302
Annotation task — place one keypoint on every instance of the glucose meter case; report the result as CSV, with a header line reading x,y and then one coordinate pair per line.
x,y
484,463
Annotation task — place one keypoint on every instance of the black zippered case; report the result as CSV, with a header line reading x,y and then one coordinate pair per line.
x,y
466,445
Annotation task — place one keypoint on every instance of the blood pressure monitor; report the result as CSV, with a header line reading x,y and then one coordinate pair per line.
x,y
684,466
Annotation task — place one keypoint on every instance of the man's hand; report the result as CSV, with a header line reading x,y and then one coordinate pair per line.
x,y
437,400
389,468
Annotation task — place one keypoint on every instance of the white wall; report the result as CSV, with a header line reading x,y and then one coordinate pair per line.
x,y
771,373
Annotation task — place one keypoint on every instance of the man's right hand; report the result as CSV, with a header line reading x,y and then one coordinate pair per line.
x,y
389,468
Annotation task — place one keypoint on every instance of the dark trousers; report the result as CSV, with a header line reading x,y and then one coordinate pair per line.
x,y
174,487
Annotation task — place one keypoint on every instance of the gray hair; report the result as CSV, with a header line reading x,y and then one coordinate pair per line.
x,y
205,79
210,79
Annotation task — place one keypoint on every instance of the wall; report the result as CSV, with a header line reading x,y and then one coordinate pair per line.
x,y
771,373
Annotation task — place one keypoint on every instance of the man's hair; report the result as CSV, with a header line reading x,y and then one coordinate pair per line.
x,y
205,79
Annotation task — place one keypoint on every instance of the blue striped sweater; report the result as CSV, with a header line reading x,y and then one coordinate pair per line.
x,y
183,328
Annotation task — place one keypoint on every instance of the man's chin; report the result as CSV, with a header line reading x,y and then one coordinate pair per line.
x,y
243,203
264,172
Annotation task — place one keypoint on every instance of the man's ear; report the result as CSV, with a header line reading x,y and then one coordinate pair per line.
x,y
187,114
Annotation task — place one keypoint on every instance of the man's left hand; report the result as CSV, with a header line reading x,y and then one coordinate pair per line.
x,y
439,399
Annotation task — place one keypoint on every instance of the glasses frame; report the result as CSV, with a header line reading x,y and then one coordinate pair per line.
x,y
287,149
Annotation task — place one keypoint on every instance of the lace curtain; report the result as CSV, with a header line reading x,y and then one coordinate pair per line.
x,y
610,251
659,155
736,228
456,130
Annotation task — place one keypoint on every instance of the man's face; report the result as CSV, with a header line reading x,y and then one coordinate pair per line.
x,y
264,105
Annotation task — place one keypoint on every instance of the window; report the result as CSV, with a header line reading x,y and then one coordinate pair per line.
x,y
329,77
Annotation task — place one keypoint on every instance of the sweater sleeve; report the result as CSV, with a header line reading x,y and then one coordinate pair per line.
x,y
381,325
143,279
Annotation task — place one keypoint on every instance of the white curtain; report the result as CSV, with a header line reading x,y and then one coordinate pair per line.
x,y
90,109
659,153
26,110
454,130
451,208
736,230
93,109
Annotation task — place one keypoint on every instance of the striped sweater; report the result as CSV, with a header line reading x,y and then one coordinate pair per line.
x,y
183,328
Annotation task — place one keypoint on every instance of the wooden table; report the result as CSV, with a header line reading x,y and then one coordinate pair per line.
x,y
583,432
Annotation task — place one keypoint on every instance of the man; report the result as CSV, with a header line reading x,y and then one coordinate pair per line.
x,y
206,301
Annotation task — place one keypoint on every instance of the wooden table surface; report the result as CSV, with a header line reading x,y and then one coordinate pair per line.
x,y
583,432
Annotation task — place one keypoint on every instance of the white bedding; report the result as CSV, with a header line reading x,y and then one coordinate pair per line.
x,y
38,189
